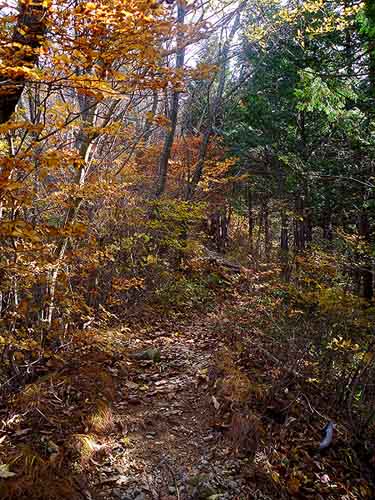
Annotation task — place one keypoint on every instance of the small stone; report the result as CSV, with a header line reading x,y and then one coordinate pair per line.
x,y
141,496
151,354
134,400
122,479
232,485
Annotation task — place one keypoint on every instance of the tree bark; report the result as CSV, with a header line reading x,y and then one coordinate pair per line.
x,y
327,225
299,225
169,138
23,52
250,218
366,272
267,232
284,236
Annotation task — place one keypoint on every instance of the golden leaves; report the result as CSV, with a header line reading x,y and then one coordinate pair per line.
x,y
89,6
204,71
15,72
294,485
24,125
18,229
160,120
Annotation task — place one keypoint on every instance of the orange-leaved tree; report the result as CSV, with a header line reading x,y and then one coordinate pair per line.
x,y
80,74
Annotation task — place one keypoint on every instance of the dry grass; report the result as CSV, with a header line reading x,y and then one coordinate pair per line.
x,y
102,421
88,447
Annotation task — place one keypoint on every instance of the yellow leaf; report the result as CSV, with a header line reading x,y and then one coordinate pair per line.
x,y
294,485
275,476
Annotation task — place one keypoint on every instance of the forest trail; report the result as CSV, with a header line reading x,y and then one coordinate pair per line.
x,y
169,448
194,179
196,424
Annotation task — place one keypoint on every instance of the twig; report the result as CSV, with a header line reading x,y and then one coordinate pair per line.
x,y
277,361
41,413
311,408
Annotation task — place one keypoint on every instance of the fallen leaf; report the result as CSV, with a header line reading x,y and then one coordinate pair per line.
x,y
22,432
216,403
161,382
275,476
5,472
132,385
294,485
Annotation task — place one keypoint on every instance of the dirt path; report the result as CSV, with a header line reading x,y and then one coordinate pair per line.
x,y
169,449
105,426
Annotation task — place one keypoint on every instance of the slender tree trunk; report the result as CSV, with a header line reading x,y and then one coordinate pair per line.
x,y
284,246
148,125
284,236
169,138
259,233
327,225
214,109
307,216
83,144
250,218
197,174
299,225
308,226
267,232
366,273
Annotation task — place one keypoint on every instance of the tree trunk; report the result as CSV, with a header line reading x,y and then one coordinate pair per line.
x,y
259,233
83,144
284,236
27,38
299,225
308,226
267,232
327,225
366,272
169,138
148,125
218,228
250,218
214,109
284,247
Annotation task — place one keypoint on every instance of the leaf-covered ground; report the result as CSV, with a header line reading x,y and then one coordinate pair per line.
x,y
216,417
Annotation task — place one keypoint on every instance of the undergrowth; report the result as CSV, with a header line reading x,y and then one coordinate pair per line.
x,y
298,355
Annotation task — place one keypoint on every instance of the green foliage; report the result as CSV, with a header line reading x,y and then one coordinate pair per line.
x,y
183,291
330,97
171,220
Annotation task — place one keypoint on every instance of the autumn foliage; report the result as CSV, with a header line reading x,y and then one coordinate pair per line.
x,y
166,159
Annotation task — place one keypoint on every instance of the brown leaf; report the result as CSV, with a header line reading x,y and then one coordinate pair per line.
x,y
293,485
